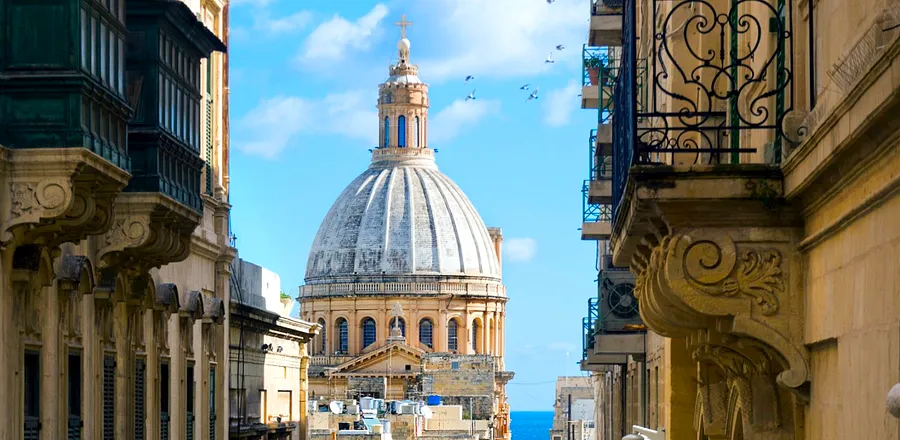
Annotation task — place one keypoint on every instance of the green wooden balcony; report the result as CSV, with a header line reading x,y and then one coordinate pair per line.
x,y
164,52
62,70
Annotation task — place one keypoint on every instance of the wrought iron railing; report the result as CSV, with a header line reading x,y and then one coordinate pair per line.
x,y
593,212
599,167
593,61
606,7
608,78
589,326
719,85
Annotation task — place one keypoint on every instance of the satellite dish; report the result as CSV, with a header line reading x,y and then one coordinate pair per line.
x,y
427,412
335,408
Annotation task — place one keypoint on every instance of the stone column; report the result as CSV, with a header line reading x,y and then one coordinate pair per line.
x,y
354,339
680,390
10,424
51,366
330,335
223,348
486,334
151,390
124,316
177,369
440,332
303,391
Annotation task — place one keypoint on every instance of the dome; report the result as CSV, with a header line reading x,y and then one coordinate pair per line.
x,y
402,217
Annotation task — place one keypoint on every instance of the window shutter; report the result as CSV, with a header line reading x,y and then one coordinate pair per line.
x,y
139,396
212,403
208,139
74,398
109,397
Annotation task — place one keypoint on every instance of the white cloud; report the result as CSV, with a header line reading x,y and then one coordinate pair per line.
x,y
331,40
520,249
560,103
280,122
460,114
506,38
291,23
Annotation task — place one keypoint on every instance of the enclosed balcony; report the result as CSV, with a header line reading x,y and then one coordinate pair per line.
x,y
606,23
63,113
699,213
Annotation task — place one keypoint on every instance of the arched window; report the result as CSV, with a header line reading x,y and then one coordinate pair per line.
x,y
416,133
402,325
401,131
453,335
426,333
369,332
387,132
476,336
323,347
343,335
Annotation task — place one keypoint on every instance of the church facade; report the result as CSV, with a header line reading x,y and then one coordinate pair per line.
x,y
404,278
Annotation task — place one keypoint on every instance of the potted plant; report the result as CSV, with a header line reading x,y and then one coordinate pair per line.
x,y
593,67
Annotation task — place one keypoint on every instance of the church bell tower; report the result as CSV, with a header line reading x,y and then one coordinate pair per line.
x,y
403,102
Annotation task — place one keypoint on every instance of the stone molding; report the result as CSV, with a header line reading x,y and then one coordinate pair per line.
x,y
56,195
495,290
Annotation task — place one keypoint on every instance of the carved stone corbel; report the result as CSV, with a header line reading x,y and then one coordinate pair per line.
x,y
149,230
737,283
57,195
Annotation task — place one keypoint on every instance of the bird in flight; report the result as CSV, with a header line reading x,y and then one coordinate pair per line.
x,y
471,95
550,2
549,58
525,87
560,47
533,95
469,77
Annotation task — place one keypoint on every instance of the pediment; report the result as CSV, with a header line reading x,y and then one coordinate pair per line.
x,y
390,358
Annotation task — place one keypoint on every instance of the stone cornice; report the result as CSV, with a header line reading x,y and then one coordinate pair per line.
x,y
436,289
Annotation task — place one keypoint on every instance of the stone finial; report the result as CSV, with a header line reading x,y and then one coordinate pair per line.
x,y
893,401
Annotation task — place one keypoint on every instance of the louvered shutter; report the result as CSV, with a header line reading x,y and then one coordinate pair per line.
x,y
164,387
189,425
109,397
208,140
140,367
212,404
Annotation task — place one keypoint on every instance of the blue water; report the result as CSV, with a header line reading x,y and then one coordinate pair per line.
x,y
531,425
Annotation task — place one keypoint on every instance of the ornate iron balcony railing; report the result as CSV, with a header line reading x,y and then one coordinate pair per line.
x,y
589,326
719,85
594,60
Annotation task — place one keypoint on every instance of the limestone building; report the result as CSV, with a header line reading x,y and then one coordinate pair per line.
x,y
114,220
573,409
404,277
752,160
268,364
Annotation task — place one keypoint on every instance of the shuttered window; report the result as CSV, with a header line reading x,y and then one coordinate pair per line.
x,y
74,397
453,335
109,397
164,401
208,141
189,383
32,376
140,367
212,403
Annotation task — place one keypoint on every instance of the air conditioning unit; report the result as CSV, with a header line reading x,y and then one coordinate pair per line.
x,y
618,308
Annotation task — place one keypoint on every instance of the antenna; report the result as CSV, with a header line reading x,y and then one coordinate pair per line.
x,y
335,408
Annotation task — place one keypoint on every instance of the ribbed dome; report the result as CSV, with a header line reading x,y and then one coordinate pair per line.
x,y
402,217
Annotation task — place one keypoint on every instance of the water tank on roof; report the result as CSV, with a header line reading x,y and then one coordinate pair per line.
x,y
434,400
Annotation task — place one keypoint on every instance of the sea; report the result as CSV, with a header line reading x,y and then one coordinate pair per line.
x,y
531,425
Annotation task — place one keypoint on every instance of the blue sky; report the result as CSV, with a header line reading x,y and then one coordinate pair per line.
x,y
304,78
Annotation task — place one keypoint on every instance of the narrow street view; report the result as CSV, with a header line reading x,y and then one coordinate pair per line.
x,y
359,219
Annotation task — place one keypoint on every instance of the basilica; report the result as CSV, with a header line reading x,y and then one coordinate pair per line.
x,y
404,278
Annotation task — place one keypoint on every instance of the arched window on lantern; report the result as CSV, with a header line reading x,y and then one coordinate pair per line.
x,y
453,335
476,336
426,333
387,133
417,139
369,332
401,131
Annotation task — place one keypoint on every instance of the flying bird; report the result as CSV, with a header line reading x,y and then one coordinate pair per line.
x,y
471,95
549,58
560,47
550,2
533,95
525,87
468,77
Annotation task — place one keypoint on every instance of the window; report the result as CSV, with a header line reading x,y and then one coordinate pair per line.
x,y
164,401
402,325
426,333
454,365
476,333
284,405
74,394
453,335
387,132
369,332
189,390
322,338
109,397
416,133
212,403
32,377
401,131
342,331
139,395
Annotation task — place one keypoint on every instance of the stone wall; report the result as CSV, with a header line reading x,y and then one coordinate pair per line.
x,y
367,386
465,380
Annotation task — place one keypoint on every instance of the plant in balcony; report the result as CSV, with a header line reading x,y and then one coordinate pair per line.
x,y
593,65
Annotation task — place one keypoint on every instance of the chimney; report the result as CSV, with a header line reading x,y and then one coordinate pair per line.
x,y
497,237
